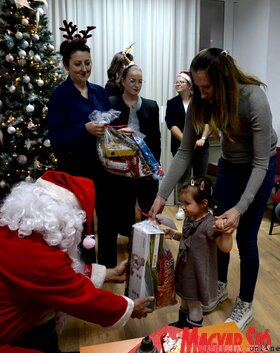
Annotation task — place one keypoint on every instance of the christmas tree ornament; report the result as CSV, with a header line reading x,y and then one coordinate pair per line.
x,y
50,47
30,125
47,143
26,35
35,37
27,144
25,44
37,58
40,82
22,159
9,58
25,21
11,130
26,79
29,108
12,89
45,109
3,184
22,53
19,35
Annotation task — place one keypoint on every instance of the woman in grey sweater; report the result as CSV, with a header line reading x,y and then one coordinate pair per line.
x,y
238,112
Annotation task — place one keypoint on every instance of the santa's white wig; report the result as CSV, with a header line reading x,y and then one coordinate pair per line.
x,y
30,208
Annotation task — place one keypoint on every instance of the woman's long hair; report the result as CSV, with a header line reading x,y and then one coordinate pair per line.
x,y
226,78
116,68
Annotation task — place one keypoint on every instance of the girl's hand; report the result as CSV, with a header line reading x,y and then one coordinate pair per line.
x,y
228,221
172,234
169,233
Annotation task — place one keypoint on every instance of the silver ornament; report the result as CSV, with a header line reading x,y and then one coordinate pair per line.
x,y
29,108
11,130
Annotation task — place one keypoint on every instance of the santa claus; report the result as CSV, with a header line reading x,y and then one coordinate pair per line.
x,y
41,224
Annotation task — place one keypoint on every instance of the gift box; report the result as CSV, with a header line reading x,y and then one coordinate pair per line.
x,y
117,150
151,265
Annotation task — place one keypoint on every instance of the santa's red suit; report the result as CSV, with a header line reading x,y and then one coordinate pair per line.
x,y
36,277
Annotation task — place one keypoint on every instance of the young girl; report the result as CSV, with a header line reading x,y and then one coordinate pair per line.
x,y
196,267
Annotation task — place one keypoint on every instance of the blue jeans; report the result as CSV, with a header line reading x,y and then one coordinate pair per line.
x,y
230,184
277,210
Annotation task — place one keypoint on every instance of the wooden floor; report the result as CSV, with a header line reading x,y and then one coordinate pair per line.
x,y
266,307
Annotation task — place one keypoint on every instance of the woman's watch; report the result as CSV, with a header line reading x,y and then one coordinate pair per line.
x,y
203,138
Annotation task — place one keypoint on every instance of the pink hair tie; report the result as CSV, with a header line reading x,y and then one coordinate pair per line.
x,y
202,185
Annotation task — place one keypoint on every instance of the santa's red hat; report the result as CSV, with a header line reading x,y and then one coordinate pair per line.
x,y
76,190
186,75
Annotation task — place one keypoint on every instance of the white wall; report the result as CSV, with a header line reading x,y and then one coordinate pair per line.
x,y
252,29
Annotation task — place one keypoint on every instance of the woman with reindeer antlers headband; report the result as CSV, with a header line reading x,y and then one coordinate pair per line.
x,y
73,136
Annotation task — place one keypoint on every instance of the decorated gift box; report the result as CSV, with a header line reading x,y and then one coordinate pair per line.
x,y
151,265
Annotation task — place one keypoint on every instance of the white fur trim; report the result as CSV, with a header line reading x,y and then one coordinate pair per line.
x,y
57,192
98,275
126,316
186,77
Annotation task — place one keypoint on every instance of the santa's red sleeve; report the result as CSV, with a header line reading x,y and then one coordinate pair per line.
x,y
73,293
8,349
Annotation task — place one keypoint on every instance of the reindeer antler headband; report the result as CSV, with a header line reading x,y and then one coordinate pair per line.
x,y
70,29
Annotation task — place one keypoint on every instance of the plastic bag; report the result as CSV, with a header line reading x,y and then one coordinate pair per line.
x,y
104,117
124,154
119,154
152,162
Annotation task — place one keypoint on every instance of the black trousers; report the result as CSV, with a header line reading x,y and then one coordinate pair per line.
x,y
115,208
42,338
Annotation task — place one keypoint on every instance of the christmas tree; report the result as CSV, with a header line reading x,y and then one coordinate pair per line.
x,y
29,72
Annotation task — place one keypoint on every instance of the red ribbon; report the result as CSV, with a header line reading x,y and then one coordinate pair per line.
x,y
147,215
